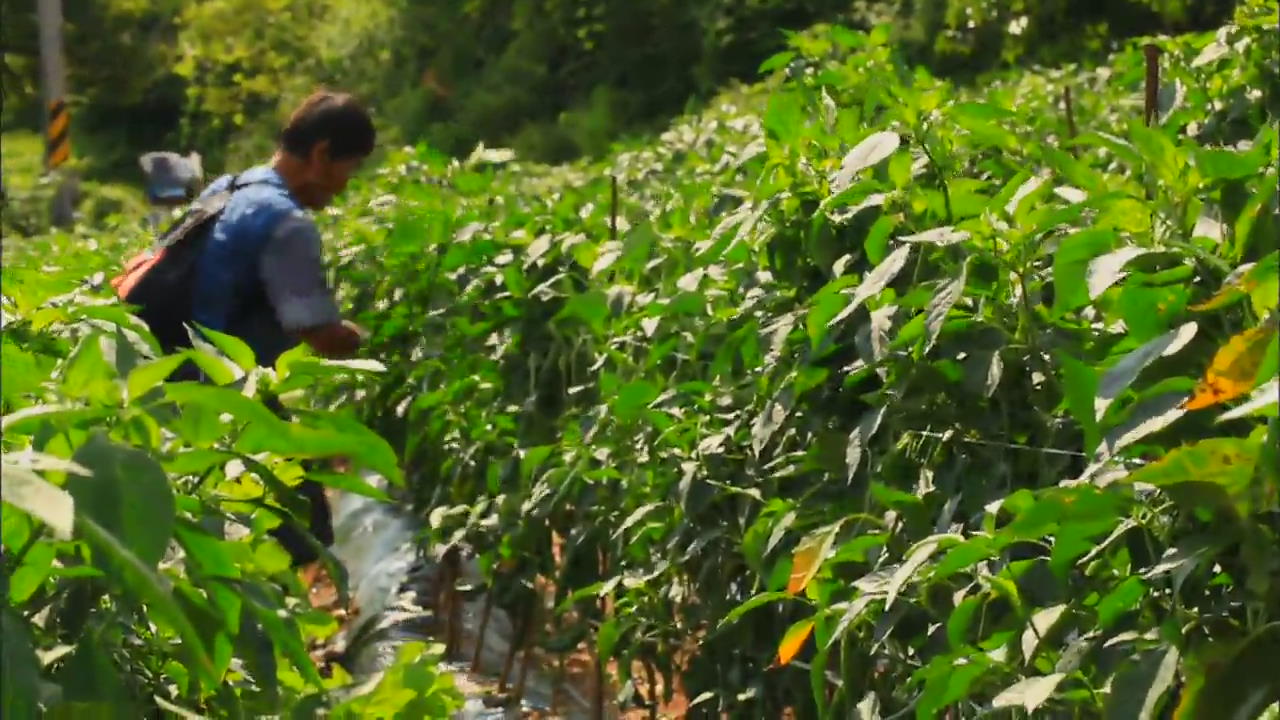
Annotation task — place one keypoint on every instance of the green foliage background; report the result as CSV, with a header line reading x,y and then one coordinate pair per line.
x,y
882,372
553,79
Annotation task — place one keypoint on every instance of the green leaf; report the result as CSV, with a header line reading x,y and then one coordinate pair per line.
x,y
1137,690
87,375
751,604
964,556
35,569
282,630
1214,473
607,638
211,556
784,117
20,669
1240,687
590,307
632,399
234,348
128,496
349,483
89,676
145,377
148,587
1120,601
776,61
1080,382
1071,268
1220,164
1254,209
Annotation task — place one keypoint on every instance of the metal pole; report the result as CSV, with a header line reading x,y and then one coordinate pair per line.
x,y
57,119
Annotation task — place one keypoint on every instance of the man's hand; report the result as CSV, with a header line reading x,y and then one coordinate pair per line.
x,y
337,341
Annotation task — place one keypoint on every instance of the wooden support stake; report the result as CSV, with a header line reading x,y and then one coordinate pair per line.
x,y
613,208
598,710
1152,52
654,700
443,611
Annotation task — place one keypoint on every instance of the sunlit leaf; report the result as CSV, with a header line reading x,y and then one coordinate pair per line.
x,y
1029,693
1041,623
31,493
938,236
1118,377
1108,269
870,151
875,281
940,306
915,559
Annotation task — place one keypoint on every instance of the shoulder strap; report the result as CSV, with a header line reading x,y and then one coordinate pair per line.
x,y
202,211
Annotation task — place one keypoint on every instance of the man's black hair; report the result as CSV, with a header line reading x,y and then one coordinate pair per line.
x,y
336,117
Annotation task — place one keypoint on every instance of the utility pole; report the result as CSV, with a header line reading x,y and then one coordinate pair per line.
x,y
53,80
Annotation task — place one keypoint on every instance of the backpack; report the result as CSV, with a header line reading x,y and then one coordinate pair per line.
x,y
160,280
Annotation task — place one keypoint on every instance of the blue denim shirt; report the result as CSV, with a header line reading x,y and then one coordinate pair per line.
x,y
261,275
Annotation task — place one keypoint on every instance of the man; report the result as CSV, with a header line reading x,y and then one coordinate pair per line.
x,y
260,276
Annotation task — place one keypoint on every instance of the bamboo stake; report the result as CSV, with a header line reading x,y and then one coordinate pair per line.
x,y
1071,113
1152,52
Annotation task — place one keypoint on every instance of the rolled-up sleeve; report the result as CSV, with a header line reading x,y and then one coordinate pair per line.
x,y
293,273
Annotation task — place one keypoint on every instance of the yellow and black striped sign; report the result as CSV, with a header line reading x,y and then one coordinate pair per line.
x,y
58,139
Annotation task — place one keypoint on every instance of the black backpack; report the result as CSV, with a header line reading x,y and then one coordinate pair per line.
x,y
160,281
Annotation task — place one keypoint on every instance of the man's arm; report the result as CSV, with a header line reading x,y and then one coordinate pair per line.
x,y
293,274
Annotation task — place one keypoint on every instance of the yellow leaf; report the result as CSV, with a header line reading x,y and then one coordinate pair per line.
x,y
808,557
793,641
1234,368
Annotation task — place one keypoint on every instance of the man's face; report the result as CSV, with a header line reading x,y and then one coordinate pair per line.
x,y
326,178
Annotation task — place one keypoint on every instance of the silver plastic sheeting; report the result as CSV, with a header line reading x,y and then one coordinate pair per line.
x,y
392,579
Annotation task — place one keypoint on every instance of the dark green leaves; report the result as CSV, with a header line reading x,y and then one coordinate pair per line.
x,y
1238,687
128,497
